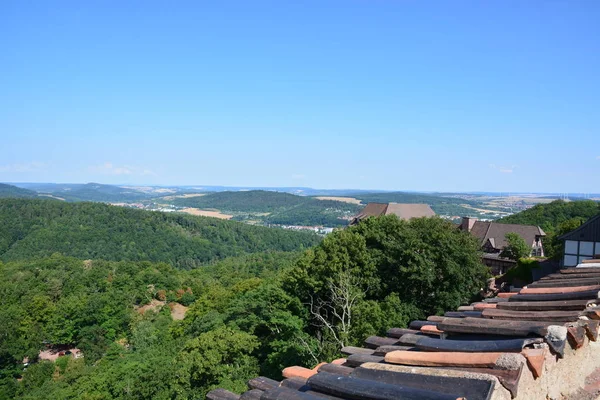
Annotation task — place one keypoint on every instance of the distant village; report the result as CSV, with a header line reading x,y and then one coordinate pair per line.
x,y
403,211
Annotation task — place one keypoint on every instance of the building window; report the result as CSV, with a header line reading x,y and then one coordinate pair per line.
x,y
586,248
571,247
570,261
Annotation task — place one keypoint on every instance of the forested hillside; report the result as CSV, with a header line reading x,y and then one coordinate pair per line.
x,y
39,228
237,328
15,192
550,216
274,207
248,315
260,201
555,218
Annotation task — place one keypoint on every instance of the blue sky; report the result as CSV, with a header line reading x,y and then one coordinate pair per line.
x,y
371,94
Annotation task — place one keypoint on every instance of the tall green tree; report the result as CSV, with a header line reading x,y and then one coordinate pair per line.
x,y
219,358
403,269
516,247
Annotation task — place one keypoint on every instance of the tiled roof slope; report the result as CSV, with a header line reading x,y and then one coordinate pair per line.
x,y
496,232
403,211
408,211
485,351
372,210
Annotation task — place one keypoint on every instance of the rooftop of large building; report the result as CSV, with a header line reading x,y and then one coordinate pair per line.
x,y
403,211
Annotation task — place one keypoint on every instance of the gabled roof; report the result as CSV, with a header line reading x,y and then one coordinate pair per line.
x,y
408,211
588,231
495,233
372,210
403,211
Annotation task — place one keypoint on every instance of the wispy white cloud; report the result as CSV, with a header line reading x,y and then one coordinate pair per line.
x,y
109,168
504,170
598,158
34,166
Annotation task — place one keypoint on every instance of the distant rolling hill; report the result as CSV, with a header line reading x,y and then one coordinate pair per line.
x,y
38,228
15,192
275,207
550,216
104,193
88,192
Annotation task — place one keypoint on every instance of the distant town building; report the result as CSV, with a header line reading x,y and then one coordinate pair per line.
x,y
403,211
582,243
492,238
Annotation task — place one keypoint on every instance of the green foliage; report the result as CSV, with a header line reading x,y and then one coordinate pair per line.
x,y
522,273
256,201
555,218
553,247
249,314
314,212
39,228
550,216
516,247
388,269
35,375
282,208
240,324
92,306
219,358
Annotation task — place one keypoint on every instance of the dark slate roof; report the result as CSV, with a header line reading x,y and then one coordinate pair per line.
x,y
403,211
589,231
495,233
462,354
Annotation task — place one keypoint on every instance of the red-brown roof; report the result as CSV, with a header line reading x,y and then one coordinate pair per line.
x,y
403,211
495,233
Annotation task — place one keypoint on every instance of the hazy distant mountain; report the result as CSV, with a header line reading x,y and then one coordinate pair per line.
x,y
166,190
14,191
88,192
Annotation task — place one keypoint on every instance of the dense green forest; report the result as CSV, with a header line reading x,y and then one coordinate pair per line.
x,y
274,207
257,201
39,228
555,218
240,324
15,192
550,216
248,315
